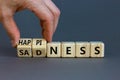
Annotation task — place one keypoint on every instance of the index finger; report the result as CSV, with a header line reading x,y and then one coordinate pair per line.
x,y
46,18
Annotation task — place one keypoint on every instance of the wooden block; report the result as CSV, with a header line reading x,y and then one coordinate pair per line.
x,y
68,49
82,49
54,49
97,49
24,47
39,47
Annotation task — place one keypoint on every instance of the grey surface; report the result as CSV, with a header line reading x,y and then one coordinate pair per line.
x,y
81,20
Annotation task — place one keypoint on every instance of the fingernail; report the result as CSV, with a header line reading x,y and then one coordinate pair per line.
x,y
14,43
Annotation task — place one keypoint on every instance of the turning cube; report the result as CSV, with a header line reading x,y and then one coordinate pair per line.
x,y
39,47
54,49
68,49
82,49
24,47
97,49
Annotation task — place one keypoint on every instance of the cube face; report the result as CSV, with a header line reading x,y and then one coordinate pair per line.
x,y
82,49
54,49
68,49
97,49
24,47
39,48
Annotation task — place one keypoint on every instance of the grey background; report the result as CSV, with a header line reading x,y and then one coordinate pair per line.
x,y
81,20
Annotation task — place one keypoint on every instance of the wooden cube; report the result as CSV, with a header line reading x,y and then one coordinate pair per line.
x,y
24,47
97,49
82,49
54,49
68,49
39,47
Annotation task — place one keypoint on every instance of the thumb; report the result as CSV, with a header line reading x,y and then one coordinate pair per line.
x,y
11,28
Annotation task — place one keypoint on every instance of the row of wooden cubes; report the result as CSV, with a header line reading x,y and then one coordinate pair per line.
x,y
40,48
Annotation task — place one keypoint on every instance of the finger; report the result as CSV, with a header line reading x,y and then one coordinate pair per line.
x,y
11,28
55,11
46,18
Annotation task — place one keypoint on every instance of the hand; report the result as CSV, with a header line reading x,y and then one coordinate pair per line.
x,y
45,10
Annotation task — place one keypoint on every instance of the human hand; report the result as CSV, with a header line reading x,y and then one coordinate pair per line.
x,y
45,10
